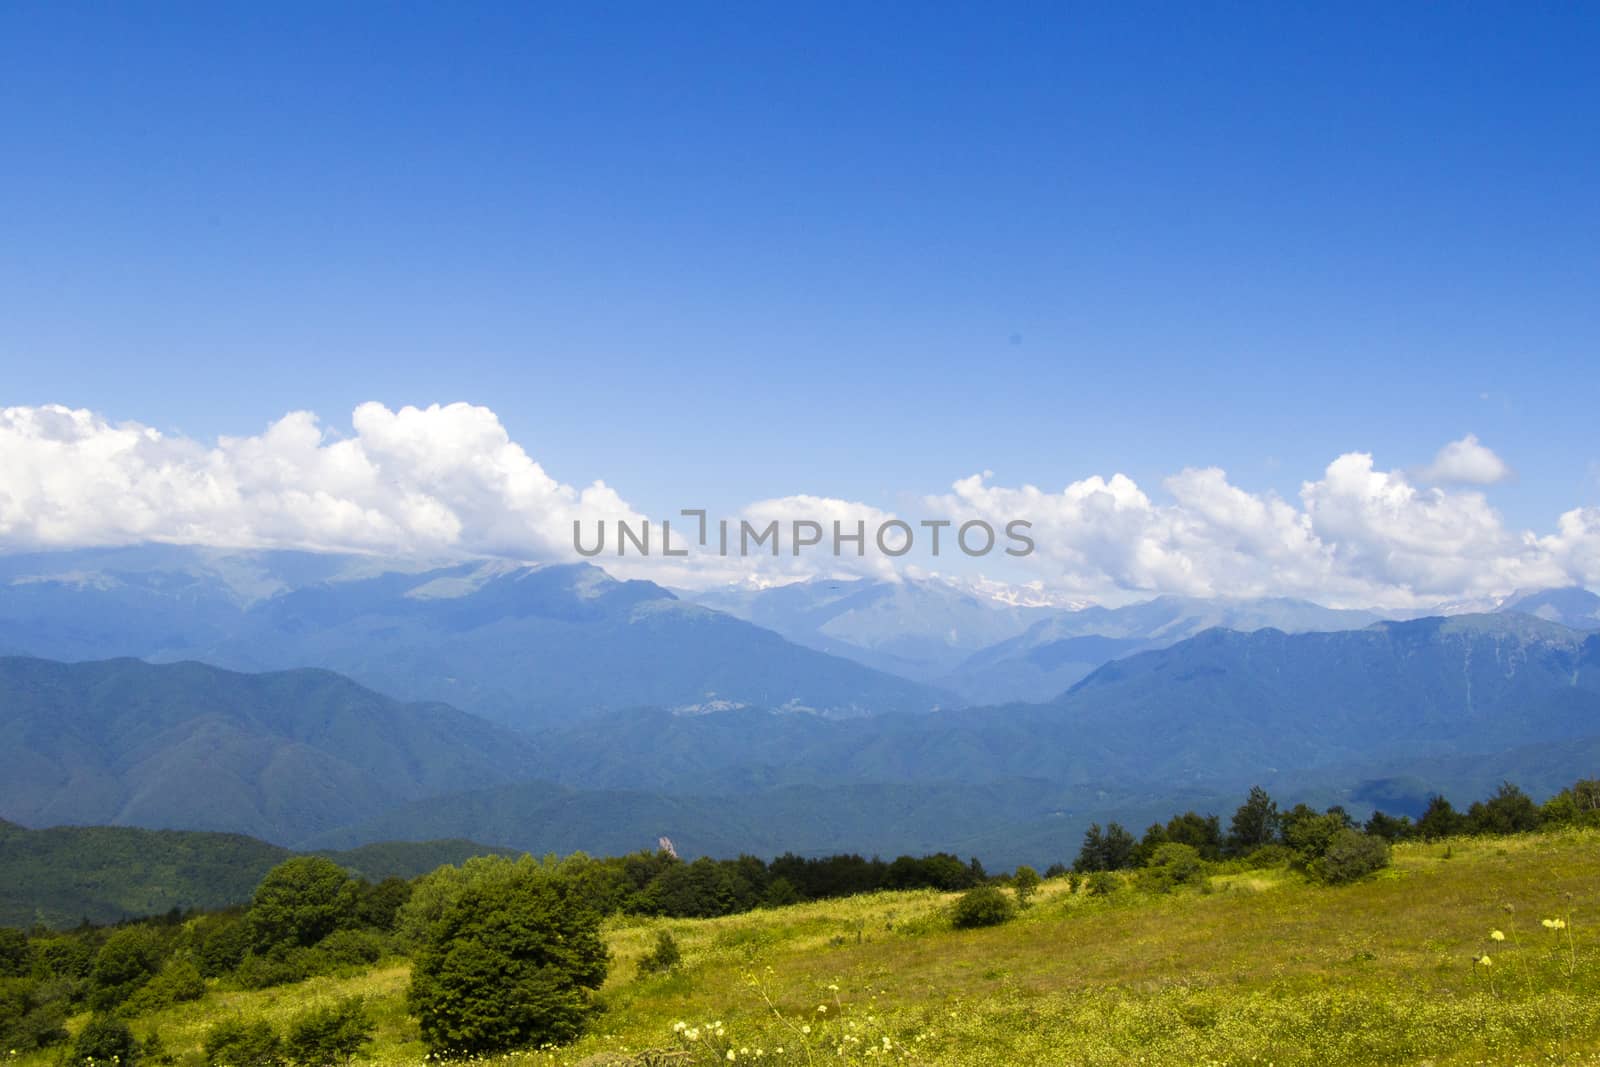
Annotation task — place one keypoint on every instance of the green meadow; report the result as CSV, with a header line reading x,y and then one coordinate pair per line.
x,y
1247,967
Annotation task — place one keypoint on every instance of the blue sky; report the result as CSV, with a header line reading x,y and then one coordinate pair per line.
x,y
711,255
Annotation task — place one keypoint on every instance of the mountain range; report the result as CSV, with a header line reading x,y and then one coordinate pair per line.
x,y
326,702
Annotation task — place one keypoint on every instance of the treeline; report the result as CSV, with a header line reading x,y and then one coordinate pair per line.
x,y
1330,845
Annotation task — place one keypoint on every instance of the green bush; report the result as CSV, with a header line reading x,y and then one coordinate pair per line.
x,y
104,1039
665,956
128,959
234,1043
278,968
1101,884
1172,865
221,942
1350,855
332,1034
1270,856
982,905
1026,883
33,1014
509,964
178,981
351,948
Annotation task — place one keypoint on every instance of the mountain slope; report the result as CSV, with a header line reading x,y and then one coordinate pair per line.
x,y
279,756
1573,606
65,874
1059,651
916,628
523,645
1214,711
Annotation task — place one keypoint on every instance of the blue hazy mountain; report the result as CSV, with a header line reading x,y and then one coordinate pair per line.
x,y
1573,606
280,756
917,628
1217,710
1058,651
520,644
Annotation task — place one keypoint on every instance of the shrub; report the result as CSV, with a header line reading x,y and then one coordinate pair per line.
x,y
665,956
33,1014
127,960
1270,856
1026,882
333,1034
233,1043
1350,855
509,964
1101,884
982,905
178,982
278,968
221,942
104,1039
350,948
1172,865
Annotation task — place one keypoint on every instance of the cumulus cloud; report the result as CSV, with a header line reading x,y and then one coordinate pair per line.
x,y
1357,536
1466,462
449,479
442,479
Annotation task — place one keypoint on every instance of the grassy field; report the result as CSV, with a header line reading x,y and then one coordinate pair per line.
x,y
1252,968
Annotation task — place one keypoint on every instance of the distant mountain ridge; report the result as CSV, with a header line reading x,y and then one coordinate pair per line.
x,y
525,645
1572,606
279,756
1059,651
917,628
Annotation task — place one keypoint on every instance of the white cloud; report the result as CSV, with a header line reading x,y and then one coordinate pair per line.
x,y
449,480
1466,462
441,479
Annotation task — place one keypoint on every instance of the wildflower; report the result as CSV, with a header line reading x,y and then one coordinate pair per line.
x,y
1485,960
1496,935
822,1009
1553,924
731,1056
806,1029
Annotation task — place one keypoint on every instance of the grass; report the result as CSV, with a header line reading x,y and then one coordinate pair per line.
x,y
1257,967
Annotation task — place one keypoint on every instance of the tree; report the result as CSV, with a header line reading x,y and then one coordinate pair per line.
x,y
106,1039
1389,827
1308,832
1440,819
1509,811
1577,805
1111,849
509,964
665,956
330,1034
1172,864
1255,823
301,901
1026,882
1350,855
16,955
128,959
235,1043
1203,833
982,905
